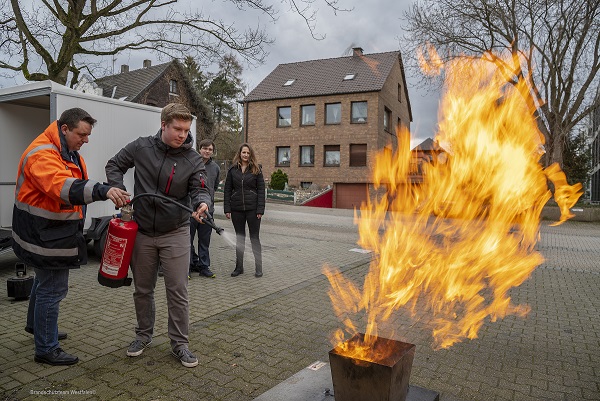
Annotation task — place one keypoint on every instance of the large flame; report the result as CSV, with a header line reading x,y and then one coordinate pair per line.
x,y
453,246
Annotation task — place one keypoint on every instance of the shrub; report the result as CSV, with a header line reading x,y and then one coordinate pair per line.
x,y
278,180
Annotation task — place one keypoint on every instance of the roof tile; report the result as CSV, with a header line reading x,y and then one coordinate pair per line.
x,y
326,77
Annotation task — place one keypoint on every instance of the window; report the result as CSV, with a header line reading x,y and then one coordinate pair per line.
x,y
308,115
173,87
333,113
283,156
359,112
358,155
387,119
289,82
349,77
305,184
307,155
284,116
332,155
400,93
398,125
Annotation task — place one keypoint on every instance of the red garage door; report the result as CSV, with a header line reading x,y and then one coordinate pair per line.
x,y
350,196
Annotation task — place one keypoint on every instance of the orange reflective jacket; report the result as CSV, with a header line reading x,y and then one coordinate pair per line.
x,y
48,215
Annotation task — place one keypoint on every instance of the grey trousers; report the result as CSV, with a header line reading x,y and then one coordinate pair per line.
x,y
172,250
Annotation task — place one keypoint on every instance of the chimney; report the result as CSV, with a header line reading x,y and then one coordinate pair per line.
x,y
358,51
147,63
124,68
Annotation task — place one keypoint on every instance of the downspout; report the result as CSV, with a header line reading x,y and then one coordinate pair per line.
x,y
246,122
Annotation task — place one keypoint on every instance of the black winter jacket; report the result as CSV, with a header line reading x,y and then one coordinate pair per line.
x,y
244,191
159,169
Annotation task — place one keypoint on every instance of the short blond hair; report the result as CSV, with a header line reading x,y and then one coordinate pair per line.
x,y
174,111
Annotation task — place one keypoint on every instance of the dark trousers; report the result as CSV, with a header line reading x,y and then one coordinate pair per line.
x,y
49,288
202,258
239,220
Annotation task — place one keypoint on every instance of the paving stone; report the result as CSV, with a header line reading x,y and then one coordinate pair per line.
x,y
251,334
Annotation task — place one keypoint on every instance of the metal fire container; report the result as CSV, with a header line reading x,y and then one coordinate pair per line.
x,y
384,379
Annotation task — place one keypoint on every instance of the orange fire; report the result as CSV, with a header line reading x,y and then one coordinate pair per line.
x,y
450,249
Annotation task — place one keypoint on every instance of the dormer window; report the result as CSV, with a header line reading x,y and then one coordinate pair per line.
x,y
289,82
349,77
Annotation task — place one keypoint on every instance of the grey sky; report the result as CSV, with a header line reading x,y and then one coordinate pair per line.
x,y
374,25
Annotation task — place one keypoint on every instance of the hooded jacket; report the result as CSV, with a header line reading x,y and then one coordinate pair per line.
x,y
244,191
176,173
48,216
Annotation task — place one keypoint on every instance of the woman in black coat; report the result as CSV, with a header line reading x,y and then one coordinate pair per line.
x,y
244,203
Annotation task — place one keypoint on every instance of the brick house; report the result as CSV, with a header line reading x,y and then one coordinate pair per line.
x,y
157,86
428,151
322,121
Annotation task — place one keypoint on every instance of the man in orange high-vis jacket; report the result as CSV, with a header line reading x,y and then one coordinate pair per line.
x,y
48,216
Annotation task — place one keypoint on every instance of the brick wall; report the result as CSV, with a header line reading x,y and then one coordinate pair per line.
x,y
158,95
264,135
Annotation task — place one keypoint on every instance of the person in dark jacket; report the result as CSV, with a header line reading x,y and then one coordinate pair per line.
x,y
47,223
244,203
201,261
167,165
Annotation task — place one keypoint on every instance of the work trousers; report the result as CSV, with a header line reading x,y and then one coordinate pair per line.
x,y
172,252
239,220
49,288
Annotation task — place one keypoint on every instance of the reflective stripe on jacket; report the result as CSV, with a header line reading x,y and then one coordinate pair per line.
x,y
48,217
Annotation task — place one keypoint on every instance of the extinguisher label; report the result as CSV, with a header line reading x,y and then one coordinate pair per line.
x,y
114,252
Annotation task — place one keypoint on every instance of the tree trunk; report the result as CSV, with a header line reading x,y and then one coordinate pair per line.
x,y
558,147
60,76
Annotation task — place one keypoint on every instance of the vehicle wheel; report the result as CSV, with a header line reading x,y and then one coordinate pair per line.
x,y
99,243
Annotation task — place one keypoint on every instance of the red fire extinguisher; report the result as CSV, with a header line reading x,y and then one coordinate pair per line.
x,y
116,256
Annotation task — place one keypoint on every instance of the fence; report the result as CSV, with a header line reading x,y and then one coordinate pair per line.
x,y
282,196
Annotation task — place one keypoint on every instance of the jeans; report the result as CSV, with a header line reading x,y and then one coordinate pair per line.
x,y
49,288
202,258
239,220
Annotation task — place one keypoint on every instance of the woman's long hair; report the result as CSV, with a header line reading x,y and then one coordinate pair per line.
x,y
252,163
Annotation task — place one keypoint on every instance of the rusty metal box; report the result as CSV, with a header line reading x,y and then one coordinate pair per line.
x,y
382,378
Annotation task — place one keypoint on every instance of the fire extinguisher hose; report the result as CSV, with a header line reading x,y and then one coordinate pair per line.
x,y
208,220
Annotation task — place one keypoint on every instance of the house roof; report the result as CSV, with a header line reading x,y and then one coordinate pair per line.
x,y
428,145
130,84
326,77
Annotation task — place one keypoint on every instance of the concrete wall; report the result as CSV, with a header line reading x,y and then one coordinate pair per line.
x,y
588,214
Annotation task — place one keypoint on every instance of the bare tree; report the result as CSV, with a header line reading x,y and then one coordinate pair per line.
x,y
552,45
50,39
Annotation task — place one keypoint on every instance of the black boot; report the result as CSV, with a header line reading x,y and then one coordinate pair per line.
x,y
237,272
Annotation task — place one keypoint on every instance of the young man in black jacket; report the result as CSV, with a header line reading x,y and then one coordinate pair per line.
x,y
201,261
165,164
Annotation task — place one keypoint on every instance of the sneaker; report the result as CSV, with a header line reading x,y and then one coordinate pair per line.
x,y
207,273
186,357
137,347
194,268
